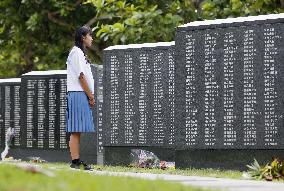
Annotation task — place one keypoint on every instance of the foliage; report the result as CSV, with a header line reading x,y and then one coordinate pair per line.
x,y
38,34
140,21
274,170
212,9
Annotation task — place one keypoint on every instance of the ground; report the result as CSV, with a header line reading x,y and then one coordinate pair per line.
x,y
60,177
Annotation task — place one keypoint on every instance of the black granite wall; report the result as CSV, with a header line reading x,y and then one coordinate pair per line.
x,y
43,110
138,102
216,92
227,106
229,82
36,108
10,109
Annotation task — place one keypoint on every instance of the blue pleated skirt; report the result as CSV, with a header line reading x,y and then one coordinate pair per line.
x,y
79,113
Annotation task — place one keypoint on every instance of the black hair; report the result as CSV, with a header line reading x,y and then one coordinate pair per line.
x,y
80,32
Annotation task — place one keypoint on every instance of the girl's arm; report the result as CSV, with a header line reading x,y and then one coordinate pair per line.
x,y
86,88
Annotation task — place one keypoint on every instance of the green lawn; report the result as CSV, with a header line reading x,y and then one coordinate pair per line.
x,y
15,179
187,172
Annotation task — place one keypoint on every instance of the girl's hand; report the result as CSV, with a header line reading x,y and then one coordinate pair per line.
x,y
92,102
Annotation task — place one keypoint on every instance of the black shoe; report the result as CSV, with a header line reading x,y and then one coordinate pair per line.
x,y
81,165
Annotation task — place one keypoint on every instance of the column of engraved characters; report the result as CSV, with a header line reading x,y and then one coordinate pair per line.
x,y
30,111
270,94
211,89
229,116
99,101
143,80
114,99
17,115
1,117
8,108
128,102
52,112
62,113
41,92
158,96
191,130
171,85
249,88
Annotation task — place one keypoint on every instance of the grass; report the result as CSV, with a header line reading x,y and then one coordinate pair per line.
x,y
186,172
14,179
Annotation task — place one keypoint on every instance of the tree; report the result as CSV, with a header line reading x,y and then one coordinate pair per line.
x,y
139,21
212,9
37,34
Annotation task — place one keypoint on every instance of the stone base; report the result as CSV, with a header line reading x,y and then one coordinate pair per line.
x,y
48,155
218,159
224,159
88,151
121,155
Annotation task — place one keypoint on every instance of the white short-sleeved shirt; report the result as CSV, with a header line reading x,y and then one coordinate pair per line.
x,y
77,63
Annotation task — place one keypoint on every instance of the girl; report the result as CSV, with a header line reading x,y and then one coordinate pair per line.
x,y
80,98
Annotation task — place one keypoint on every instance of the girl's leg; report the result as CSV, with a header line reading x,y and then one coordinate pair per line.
x,y
74,145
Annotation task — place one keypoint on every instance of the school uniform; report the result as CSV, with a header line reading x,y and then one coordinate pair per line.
x,y
79,113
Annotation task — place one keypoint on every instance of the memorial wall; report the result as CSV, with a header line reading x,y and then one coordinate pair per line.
x,y
43,110
230,84
139,98
219,87
99,107
97,71
10,109
35,106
